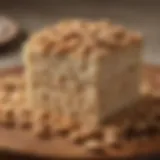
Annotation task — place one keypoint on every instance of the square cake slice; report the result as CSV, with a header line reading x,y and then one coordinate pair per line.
x,y
87,70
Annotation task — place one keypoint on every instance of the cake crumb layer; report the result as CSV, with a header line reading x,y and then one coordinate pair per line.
x,y
74,36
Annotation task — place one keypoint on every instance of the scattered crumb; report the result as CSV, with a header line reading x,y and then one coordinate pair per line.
x,y
24,117
137,124
61,130
112,136
76,137
42,131
94,146
7,118
41,116
82,135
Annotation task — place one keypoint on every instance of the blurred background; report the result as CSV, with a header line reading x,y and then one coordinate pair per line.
x,y
142,15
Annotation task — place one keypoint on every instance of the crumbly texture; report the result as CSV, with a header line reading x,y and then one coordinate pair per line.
x,y
83,37
12,90
87,70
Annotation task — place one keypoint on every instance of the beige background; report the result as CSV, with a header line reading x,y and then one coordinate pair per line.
x,y
143,15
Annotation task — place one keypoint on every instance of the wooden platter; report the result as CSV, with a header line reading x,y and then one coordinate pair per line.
x,y
17,140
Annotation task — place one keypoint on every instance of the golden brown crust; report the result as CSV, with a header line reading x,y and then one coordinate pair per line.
x,y
70,36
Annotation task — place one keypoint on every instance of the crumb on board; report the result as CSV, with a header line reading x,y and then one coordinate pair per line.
x,y
142,126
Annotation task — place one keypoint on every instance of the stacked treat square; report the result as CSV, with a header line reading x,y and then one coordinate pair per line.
x,y
83,69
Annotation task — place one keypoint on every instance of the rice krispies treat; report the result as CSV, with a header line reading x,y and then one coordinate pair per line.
x,y
84,69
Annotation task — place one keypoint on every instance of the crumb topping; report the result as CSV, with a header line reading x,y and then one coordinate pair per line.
x,y
85,36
